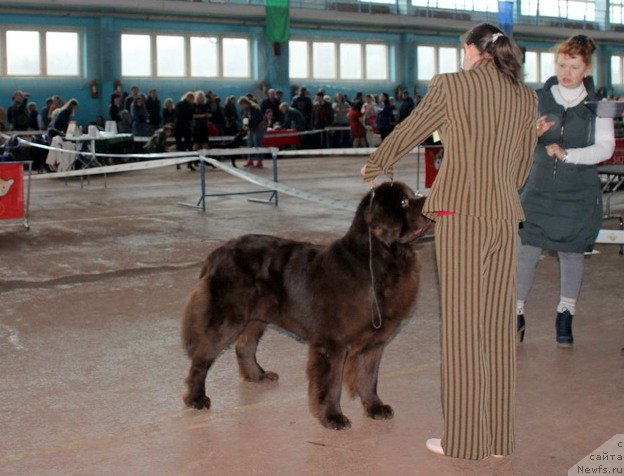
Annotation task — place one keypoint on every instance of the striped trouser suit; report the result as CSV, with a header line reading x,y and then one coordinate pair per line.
x,y
476,260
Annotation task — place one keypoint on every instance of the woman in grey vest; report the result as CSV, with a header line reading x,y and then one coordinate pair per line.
x,y
562,197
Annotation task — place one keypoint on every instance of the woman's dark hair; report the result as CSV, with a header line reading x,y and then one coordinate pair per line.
x,y
493,43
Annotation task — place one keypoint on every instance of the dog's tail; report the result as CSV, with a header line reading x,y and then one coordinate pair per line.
x,y
194,318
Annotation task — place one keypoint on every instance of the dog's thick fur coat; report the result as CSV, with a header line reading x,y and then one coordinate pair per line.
x,y
321,294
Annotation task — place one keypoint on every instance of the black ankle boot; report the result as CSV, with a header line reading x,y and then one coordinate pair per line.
x,y
521,327
563,325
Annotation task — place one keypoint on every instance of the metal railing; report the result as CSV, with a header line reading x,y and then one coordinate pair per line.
x,y
405,7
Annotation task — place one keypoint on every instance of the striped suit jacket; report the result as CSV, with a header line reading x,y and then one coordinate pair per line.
x,y
487,126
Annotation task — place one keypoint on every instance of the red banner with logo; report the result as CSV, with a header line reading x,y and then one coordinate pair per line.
x,y
433,161
11,191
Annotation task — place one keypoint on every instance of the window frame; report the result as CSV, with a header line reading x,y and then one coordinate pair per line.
x,y
43,53
436,58
612,7
525,11
620,57
336,43
188,54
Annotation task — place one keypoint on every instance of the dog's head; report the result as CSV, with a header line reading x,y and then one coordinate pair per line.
x,y
394,213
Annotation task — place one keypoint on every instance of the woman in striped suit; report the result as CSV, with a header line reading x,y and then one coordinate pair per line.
x,y
486,118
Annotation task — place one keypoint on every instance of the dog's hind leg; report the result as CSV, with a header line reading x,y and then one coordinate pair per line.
x,y
246,346
361,374
196,381
202,358
325,368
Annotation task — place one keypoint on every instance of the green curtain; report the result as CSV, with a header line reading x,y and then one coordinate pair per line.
x,y
278,20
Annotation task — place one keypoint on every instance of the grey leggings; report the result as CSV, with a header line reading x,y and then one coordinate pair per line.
x,y
571,266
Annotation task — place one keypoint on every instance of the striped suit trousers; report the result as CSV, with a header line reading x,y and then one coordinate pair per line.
x,y
476,259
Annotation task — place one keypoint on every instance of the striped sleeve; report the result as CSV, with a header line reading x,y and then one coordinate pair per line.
x,y
529,141
427,117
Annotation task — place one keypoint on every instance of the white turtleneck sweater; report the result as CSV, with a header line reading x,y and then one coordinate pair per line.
x,y
604,144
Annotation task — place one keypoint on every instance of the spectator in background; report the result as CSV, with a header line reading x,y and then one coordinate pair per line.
x,y
168,112
272,103
385,116
395,110
369,112
45,114
140,117
18,112
255,123
230,117
3,124
159,141
62,116
115,107
57,103
134,92
279,95
201,115
341,110
124,122
407,106
356,123
303,104
153,108
293,119
34,118
184,110
217,119
322,117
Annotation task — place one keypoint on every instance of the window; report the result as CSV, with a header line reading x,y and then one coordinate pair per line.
x,y
136,55
236,58
204,54
35,52
377,62
23,53
298,59
343,61
616,11
538,66
62,53
473,5
617,78
170,54
570,9
351,60
433,60
178,56
324,60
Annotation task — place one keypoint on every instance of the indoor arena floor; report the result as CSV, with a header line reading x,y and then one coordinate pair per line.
x,y
92,368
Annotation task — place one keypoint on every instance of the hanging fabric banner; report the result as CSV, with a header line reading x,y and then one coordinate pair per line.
x,y
505,17
11,191
277,20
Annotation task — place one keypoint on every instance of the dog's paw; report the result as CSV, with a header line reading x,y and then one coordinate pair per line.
x,y
198,403
336,422
269,376
380,412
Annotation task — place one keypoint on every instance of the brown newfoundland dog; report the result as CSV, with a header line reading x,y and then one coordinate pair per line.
x,y
321,294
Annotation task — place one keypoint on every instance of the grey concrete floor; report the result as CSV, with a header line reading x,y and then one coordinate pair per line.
x,y
92,367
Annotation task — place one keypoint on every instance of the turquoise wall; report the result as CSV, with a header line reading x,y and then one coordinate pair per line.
x,y
101,61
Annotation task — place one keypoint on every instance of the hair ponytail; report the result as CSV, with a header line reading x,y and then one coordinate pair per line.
x,y
495,45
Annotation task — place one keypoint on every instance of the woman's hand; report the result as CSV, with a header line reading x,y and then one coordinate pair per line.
x,y
371,182
543,126
555,150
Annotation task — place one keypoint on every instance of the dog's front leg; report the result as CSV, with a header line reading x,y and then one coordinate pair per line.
x,y
361,373
325,368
